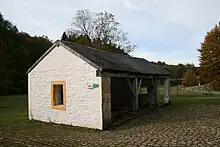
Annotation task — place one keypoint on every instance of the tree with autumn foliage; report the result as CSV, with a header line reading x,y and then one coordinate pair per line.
x,y
189,78
210,57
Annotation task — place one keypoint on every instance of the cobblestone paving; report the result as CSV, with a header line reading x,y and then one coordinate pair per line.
x,y
197,125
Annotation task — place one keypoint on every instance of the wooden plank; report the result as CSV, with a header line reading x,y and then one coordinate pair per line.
x,y
124,75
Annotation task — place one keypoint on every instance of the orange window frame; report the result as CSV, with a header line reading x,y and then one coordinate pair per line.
x,y
58,107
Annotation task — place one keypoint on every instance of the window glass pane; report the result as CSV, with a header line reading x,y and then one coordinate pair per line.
x,y
58,94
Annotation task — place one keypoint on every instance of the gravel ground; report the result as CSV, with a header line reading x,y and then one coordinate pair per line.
x,y
191,125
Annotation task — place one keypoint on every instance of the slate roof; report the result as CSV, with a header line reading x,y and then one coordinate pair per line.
x,y
116,62
108,61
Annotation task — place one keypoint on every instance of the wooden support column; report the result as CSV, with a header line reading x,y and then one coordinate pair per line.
x,y
149,93
135,86
152,90
106,101
131,85
167,90
156,92
136,93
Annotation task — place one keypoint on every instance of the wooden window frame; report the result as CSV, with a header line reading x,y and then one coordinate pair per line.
x,y
59,107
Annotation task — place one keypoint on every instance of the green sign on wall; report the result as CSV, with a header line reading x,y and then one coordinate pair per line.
x,y
95,85
92,86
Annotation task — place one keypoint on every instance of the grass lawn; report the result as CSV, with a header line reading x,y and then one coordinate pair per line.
x,y
17,130
185,96
13,109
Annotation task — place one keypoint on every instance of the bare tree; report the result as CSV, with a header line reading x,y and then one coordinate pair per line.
x,y
101,28
83,22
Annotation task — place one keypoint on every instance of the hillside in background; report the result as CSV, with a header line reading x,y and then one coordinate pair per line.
x,y
18,50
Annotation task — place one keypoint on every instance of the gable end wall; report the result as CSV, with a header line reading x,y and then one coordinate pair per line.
x,y
83,105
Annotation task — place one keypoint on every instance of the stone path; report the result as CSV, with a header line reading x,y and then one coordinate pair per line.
x,y
197,125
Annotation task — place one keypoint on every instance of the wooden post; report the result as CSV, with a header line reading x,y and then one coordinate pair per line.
x,y
135,87
106,101
156,97
154,91
166,90
131,85
136,93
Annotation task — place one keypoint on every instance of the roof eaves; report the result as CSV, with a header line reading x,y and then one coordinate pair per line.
x,y
138,73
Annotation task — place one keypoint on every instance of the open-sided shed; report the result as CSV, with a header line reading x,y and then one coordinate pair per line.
x,y
82,86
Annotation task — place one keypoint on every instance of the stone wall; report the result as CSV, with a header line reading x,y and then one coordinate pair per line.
x,y
83,105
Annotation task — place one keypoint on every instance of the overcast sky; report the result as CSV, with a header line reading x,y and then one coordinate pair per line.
x,y
165,30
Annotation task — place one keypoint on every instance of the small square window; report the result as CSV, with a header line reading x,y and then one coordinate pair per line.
x,y
58,95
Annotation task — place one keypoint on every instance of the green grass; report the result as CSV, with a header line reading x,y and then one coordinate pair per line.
x,y
14,115
184,93
195,101
13,109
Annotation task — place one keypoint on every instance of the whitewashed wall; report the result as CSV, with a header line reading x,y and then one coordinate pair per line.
x,y
83,105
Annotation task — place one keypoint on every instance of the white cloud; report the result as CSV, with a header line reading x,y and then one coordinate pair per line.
x,y
187,12
173,58
138,5
156,26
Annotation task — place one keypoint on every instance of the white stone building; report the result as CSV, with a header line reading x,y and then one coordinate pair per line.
x,y
77,85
